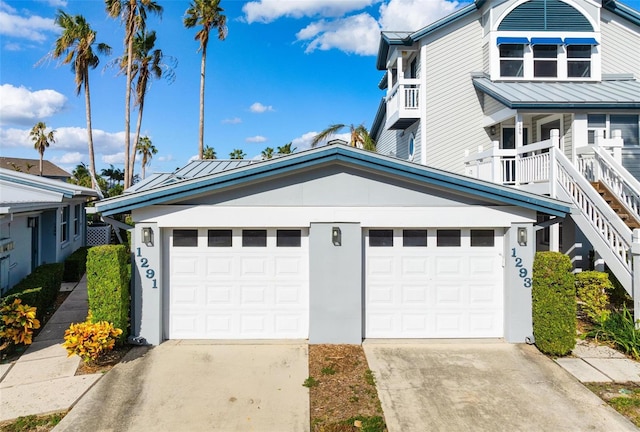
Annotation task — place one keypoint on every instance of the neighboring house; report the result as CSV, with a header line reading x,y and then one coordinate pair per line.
x,y
541,95
333,245
41,221
32,166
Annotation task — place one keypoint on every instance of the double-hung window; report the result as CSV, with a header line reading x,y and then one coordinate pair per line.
x,y
578,61
512,60
545,61
64,225
627,124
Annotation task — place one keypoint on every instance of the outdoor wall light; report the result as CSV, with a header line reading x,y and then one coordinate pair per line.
x,y
336,236
522,236
492,130
147,236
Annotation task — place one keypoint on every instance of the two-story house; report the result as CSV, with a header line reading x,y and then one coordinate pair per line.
x,y
543,95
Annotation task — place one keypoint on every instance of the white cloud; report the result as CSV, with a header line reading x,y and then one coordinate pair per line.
x,y
394,14
303,142
116,158
256,139
233,120
23,106
357,34
167,158
34,28
266,11
257,107
73,158
55,3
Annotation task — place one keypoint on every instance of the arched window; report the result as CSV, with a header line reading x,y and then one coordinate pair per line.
x,y
412,146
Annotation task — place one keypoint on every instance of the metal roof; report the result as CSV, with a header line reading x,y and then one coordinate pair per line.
x,y
193,169
68,190
333,154
606,94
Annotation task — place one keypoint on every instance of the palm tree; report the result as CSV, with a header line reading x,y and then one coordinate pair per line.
x,y
41,139
360,137
76,44
81,175
148,64
134,15
146,149
205,13
209,153
237,154
267,153
286,149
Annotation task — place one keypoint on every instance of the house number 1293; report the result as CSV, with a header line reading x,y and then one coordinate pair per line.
x,y
149,272
522,272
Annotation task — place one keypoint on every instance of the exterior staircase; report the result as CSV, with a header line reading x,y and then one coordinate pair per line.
x,y
631,221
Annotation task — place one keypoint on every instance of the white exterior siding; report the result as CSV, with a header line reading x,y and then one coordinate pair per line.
x,y
453,121
491,106
387,143
568,135
620,46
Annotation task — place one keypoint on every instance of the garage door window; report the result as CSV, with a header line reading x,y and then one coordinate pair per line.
x,y
220,238
448,238
288,238
381,238
482,238
185,238
254,238
414,238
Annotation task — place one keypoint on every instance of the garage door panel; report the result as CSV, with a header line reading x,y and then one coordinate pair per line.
x,y
239,292
433,291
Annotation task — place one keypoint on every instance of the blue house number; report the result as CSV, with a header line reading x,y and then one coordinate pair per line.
x,y
522,272
149,272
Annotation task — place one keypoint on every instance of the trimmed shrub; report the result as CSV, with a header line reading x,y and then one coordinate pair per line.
x,y
39,289
89,340
108,286
75,265
554,303
592,289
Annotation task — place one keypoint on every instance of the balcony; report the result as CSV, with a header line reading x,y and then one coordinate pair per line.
x,y
403,104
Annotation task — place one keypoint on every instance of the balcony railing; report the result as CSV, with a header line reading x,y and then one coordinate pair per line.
x,y
403,104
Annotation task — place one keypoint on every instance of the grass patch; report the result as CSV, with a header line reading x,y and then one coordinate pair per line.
x,y
32,423
310,382
624,398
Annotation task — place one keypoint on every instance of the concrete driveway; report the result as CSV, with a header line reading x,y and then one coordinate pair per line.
x,y
191,386
477,386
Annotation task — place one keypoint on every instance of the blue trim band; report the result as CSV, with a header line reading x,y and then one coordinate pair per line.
x,y
580,41
512,40
546,41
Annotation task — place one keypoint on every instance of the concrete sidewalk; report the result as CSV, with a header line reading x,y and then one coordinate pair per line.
x,y
43,380
599,363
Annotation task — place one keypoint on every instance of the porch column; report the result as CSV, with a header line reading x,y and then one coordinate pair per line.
x,y
554,230
519,143
635,281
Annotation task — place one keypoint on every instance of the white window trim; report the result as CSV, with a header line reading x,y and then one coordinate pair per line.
x,y
411,154
64,223
494,54
549,119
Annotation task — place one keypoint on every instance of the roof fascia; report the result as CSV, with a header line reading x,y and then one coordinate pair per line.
x,y
378,120
455,16
68,190
623,11
349,156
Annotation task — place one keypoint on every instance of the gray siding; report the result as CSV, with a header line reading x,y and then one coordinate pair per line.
x,y
486,68
387,143
454,116
620,48
631,161
491,106
568,135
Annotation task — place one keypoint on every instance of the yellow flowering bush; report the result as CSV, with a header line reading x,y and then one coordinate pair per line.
x,y
18,322
89,340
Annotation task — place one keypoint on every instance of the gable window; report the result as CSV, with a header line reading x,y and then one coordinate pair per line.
x,y
545,61
76,220
512,60
64,225
579,61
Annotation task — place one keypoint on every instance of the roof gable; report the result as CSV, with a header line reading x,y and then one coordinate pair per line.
x,y
42,184
545,15
325,157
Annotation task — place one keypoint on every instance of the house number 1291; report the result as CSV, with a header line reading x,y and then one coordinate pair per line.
x,y
522,272
149,272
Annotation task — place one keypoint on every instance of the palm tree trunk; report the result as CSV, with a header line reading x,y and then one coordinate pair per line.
x,y
41,157
127,107
202,74
136,141
92,158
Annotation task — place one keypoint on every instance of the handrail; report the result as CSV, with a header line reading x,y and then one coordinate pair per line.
x,y
595,209
617,179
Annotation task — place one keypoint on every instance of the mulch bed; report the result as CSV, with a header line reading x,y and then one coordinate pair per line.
x,y
344,392
105,362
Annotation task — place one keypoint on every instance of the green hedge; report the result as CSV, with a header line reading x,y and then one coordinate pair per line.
x,y
592,290
108,286
75,265
39,289
554,303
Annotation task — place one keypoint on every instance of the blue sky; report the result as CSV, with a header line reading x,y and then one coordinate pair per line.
x,y
287,70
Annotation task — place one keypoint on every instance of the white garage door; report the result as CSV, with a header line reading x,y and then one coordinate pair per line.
x,y
238,284
431,283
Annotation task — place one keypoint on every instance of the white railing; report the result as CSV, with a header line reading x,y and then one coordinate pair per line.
x,y
403,99
596,164
411,98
